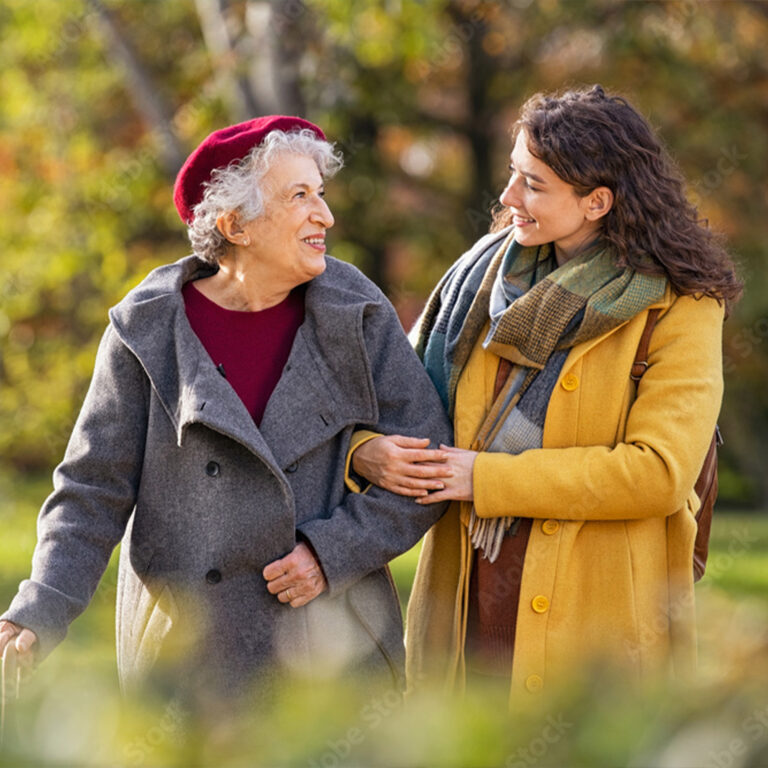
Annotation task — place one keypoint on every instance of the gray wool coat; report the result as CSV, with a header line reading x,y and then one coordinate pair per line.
x,y
165,456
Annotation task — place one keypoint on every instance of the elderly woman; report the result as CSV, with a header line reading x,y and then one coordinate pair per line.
x,y
213,441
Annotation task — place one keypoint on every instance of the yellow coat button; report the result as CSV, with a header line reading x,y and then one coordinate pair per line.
x,y
540,604
570,382
534,683
550,526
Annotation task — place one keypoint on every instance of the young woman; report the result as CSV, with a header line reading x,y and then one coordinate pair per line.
x,y
571,531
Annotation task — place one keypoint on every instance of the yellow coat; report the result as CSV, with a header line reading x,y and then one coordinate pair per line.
x,y
608,568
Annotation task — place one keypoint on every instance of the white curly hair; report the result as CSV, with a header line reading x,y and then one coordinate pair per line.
x,y
237,186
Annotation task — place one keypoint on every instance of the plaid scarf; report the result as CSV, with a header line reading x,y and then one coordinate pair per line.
x,y
538,312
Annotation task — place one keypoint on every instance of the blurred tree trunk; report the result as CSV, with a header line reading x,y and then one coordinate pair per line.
x,y
258,72
289,31
277,33
478,127
364,137
234,85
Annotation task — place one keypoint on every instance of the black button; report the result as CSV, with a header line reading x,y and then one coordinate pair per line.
x,y
213,576
212,469
293,467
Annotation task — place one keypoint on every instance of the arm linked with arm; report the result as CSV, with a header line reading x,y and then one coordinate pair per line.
x,y
367,530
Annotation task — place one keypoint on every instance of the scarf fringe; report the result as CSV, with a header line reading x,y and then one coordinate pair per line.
x,y
487,534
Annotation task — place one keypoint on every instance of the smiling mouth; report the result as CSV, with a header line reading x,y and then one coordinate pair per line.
x,y
521,221
316,241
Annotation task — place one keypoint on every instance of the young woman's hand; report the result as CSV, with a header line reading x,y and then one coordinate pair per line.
x,y
458,485
400,464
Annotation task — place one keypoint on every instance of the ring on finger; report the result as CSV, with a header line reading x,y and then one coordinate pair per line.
x,y
288,594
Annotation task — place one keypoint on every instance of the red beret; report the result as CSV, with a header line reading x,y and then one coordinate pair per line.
x,y
220,149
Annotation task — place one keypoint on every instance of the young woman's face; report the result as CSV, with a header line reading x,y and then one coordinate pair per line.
x,y
547,209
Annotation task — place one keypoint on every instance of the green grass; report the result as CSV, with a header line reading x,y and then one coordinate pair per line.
x,y
72,713
738,560
403,569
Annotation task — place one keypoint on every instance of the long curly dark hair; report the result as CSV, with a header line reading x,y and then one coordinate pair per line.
x,y
592,139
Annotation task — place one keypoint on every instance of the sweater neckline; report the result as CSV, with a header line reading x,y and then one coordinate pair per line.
x,y
213,306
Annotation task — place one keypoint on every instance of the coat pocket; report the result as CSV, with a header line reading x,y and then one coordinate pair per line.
x,y
375,604
146,632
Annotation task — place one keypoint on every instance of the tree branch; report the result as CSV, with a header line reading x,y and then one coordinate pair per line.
x,y
145,94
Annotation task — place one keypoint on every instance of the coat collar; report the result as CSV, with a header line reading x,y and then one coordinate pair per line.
x,y
580,350
326,383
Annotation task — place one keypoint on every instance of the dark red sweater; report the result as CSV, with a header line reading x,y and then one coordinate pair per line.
x,y
252,348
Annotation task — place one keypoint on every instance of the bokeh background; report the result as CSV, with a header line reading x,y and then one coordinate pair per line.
x,y
101,101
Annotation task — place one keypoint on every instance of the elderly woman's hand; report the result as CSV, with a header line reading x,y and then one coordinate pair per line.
x,y
22,639
404,465
296,578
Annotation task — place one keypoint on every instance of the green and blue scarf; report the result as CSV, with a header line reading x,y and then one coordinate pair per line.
x,y
537,312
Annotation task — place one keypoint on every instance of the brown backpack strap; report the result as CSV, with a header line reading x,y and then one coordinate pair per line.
x,y
640,365
706,490
706,483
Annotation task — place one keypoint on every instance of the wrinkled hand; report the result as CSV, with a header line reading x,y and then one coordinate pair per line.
x,y
296,578
400,464
21,639
459,485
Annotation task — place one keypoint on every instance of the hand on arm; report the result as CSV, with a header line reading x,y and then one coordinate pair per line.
x,y
366,531
458,484
297,578
403,465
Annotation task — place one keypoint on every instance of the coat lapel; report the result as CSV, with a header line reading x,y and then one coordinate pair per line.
x,y
211,401
579,350
326,384
153,324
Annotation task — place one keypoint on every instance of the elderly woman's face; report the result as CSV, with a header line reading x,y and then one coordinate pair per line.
x,y
288,239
